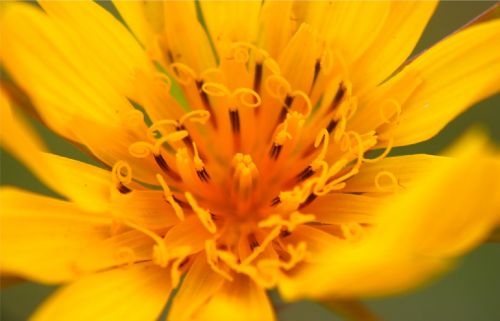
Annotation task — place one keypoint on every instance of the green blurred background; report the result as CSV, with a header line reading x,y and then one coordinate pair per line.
x,y
471,292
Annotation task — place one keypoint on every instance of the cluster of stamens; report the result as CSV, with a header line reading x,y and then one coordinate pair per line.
x,y
249,161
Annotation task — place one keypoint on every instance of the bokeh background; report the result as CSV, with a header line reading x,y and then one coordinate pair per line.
x,y
470,292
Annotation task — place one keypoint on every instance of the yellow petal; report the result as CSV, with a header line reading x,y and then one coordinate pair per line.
x,y
92,26
232,20
348,26
394,43
135,293
87,185
241,299
189,233
393,173
144,208
117,250
62,84
456,73
181,23
73,96
199,284
339,208
41,237
418,233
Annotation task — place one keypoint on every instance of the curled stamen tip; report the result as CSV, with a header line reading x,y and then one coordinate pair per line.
x,y
140,149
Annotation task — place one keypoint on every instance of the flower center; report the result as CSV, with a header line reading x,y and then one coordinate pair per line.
x,y
248,162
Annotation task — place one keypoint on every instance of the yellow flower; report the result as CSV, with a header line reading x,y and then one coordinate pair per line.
x,y
257,176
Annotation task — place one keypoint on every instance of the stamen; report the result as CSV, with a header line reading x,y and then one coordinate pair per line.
x,y
170,138
274,233
295,219
246,97
170,198
182,258
125,255
331,126
275,151
196,116
317,68
383,155
275,201
121,175
215,89
245,175
257,77
305,174
182,73
395,113
206,102
162,163
201,170
234,117
339,95
279,141
308,201
386,188
277,86
351,231
160,254
252,241
307,100
203,214
213,259
141,149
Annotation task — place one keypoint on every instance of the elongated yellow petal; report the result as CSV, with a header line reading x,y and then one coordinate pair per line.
x,y
231,20
199,285
145,20
145,208
417,233
87,185
394,43
73,96
456,73
233,298
49,226
348,26
189,233
341,208
181,23
135,293
92,26
393,173
117,250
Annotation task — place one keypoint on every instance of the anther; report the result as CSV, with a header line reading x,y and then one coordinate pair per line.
x,y
203,214
201,170
234,117
275,201
305,174
338,96
203,175
206,102
308,200
257,77
162,163
275,151
285,233
245,175
252,241
317,68
123,189
331,126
